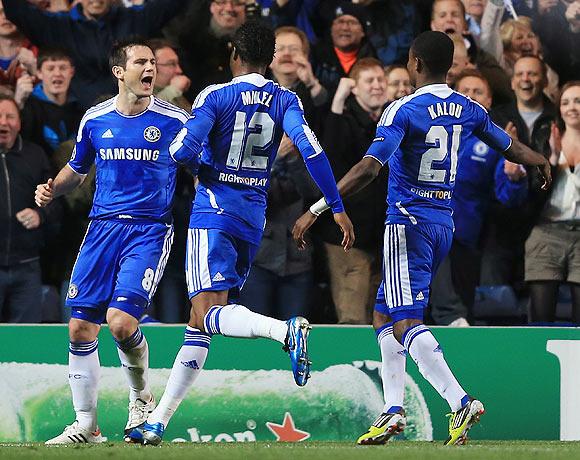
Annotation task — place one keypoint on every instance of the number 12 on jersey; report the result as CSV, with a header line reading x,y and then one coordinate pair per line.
x,y
258,133
437,135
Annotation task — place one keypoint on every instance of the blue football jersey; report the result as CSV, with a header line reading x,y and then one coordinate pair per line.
x,y
421,137
135,175
231,141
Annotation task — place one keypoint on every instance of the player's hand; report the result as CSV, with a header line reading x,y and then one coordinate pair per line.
x,y
546,172
44,194
343,221
305,221
29,218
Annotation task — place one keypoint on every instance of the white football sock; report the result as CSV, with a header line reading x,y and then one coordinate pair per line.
x,y
134,356
394,360
237,321
187,366
83,378
427,353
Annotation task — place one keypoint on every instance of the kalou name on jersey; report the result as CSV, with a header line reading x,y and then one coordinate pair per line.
x,y
421,136
135,175
231,141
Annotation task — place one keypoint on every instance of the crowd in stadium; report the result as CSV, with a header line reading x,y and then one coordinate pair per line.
x,y
515,257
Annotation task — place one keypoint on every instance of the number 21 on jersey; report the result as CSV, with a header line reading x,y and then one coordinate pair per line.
x,y
438,136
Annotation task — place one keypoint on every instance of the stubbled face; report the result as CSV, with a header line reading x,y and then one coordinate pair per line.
x,y
167,66
9,124
528,81
398,84
347,33
228,14
570,107
459,64
370,89
476,89
7,29
525,42
139,74
447,17
288,45
474,8
94,9
56,76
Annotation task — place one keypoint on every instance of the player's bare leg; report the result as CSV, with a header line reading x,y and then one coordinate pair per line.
x,y
133,353
83,377
392,420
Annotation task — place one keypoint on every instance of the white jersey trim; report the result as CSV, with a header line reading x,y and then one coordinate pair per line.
x,y
95,112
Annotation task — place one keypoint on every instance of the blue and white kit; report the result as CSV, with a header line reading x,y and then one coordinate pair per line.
x,y
421,137
127,244
230,142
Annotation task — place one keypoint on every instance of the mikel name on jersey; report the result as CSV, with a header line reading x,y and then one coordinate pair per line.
x,y
443,108
256,97
129,154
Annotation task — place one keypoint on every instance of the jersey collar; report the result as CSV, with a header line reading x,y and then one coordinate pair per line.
x,y
437,89
255,79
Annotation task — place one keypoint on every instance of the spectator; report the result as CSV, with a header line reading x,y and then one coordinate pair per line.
x,y
529,119
292,70
334,58
203,35
51,115
483,174
349,130
460,60
398,82
88,32
449,16
558,26
473,14
170,83
23,164
518,39
552,249
280,283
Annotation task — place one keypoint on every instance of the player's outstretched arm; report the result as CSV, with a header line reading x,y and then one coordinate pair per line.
x,y
357,178
66,181
521,153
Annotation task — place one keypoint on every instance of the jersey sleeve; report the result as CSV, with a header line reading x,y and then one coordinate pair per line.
x,y
509,193
83,155
390,133
297,129
488,132
187,146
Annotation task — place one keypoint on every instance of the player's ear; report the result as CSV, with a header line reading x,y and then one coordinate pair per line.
x,y
236,54
418,65
118,72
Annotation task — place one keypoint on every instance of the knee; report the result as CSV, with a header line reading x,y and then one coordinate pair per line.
x,y
402,326
380,319
82,331
121,325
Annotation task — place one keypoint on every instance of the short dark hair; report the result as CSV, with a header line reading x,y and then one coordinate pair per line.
x,y
435,49
475,74
118,55
543,66
255,43
7,97
53,53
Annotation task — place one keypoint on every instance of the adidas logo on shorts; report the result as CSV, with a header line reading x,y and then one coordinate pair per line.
x,y
420,296
218,277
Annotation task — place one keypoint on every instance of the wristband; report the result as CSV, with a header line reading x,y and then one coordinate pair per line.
x,y
319,207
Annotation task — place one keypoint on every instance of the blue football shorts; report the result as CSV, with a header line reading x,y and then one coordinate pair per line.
x,y
411,255
119,265
217,261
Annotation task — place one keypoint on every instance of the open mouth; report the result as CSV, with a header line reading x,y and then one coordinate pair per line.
x,y
147,82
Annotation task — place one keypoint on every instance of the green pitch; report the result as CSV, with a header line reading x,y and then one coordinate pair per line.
x,y
485,450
